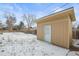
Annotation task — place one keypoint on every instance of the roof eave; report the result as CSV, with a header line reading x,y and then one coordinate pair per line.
x,y
71,10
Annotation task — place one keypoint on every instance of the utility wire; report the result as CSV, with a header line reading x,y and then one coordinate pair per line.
x,y
56,9
59,8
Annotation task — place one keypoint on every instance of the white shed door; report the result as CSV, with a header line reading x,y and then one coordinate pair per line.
x,y
47,33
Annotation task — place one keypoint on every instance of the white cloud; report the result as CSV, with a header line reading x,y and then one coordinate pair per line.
x,y
40,14
13,8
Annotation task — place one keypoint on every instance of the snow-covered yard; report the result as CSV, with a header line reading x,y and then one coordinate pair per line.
x,y
21,44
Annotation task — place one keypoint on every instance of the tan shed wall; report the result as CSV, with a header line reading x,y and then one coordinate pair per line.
x,y
61,31
70,31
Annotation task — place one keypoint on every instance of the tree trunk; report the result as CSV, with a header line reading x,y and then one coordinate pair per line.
x,y
10,28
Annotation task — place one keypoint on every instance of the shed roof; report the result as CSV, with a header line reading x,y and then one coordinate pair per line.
x,y
69,11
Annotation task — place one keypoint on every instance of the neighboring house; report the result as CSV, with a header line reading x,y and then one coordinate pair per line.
x,y
57,28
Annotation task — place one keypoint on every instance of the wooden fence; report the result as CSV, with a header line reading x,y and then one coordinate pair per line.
x,y
75,34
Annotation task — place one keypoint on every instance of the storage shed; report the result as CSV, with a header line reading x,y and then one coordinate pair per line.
x,y
57,28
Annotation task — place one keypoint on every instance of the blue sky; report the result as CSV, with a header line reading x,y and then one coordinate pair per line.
x,y
37,9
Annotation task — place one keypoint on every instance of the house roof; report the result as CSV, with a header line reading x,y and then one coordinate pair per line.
x,y
69,11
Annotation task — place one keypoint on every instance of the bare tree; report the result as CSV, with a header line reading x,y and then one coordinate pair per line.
x,y
30,19
10,20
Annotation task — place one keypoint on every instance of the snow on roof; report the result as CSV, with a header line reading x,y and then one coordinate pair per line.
x,y
66,11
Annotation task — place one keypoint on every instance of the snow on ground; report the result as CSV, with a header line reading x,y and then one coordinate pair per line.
x,y
73,53
21,44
